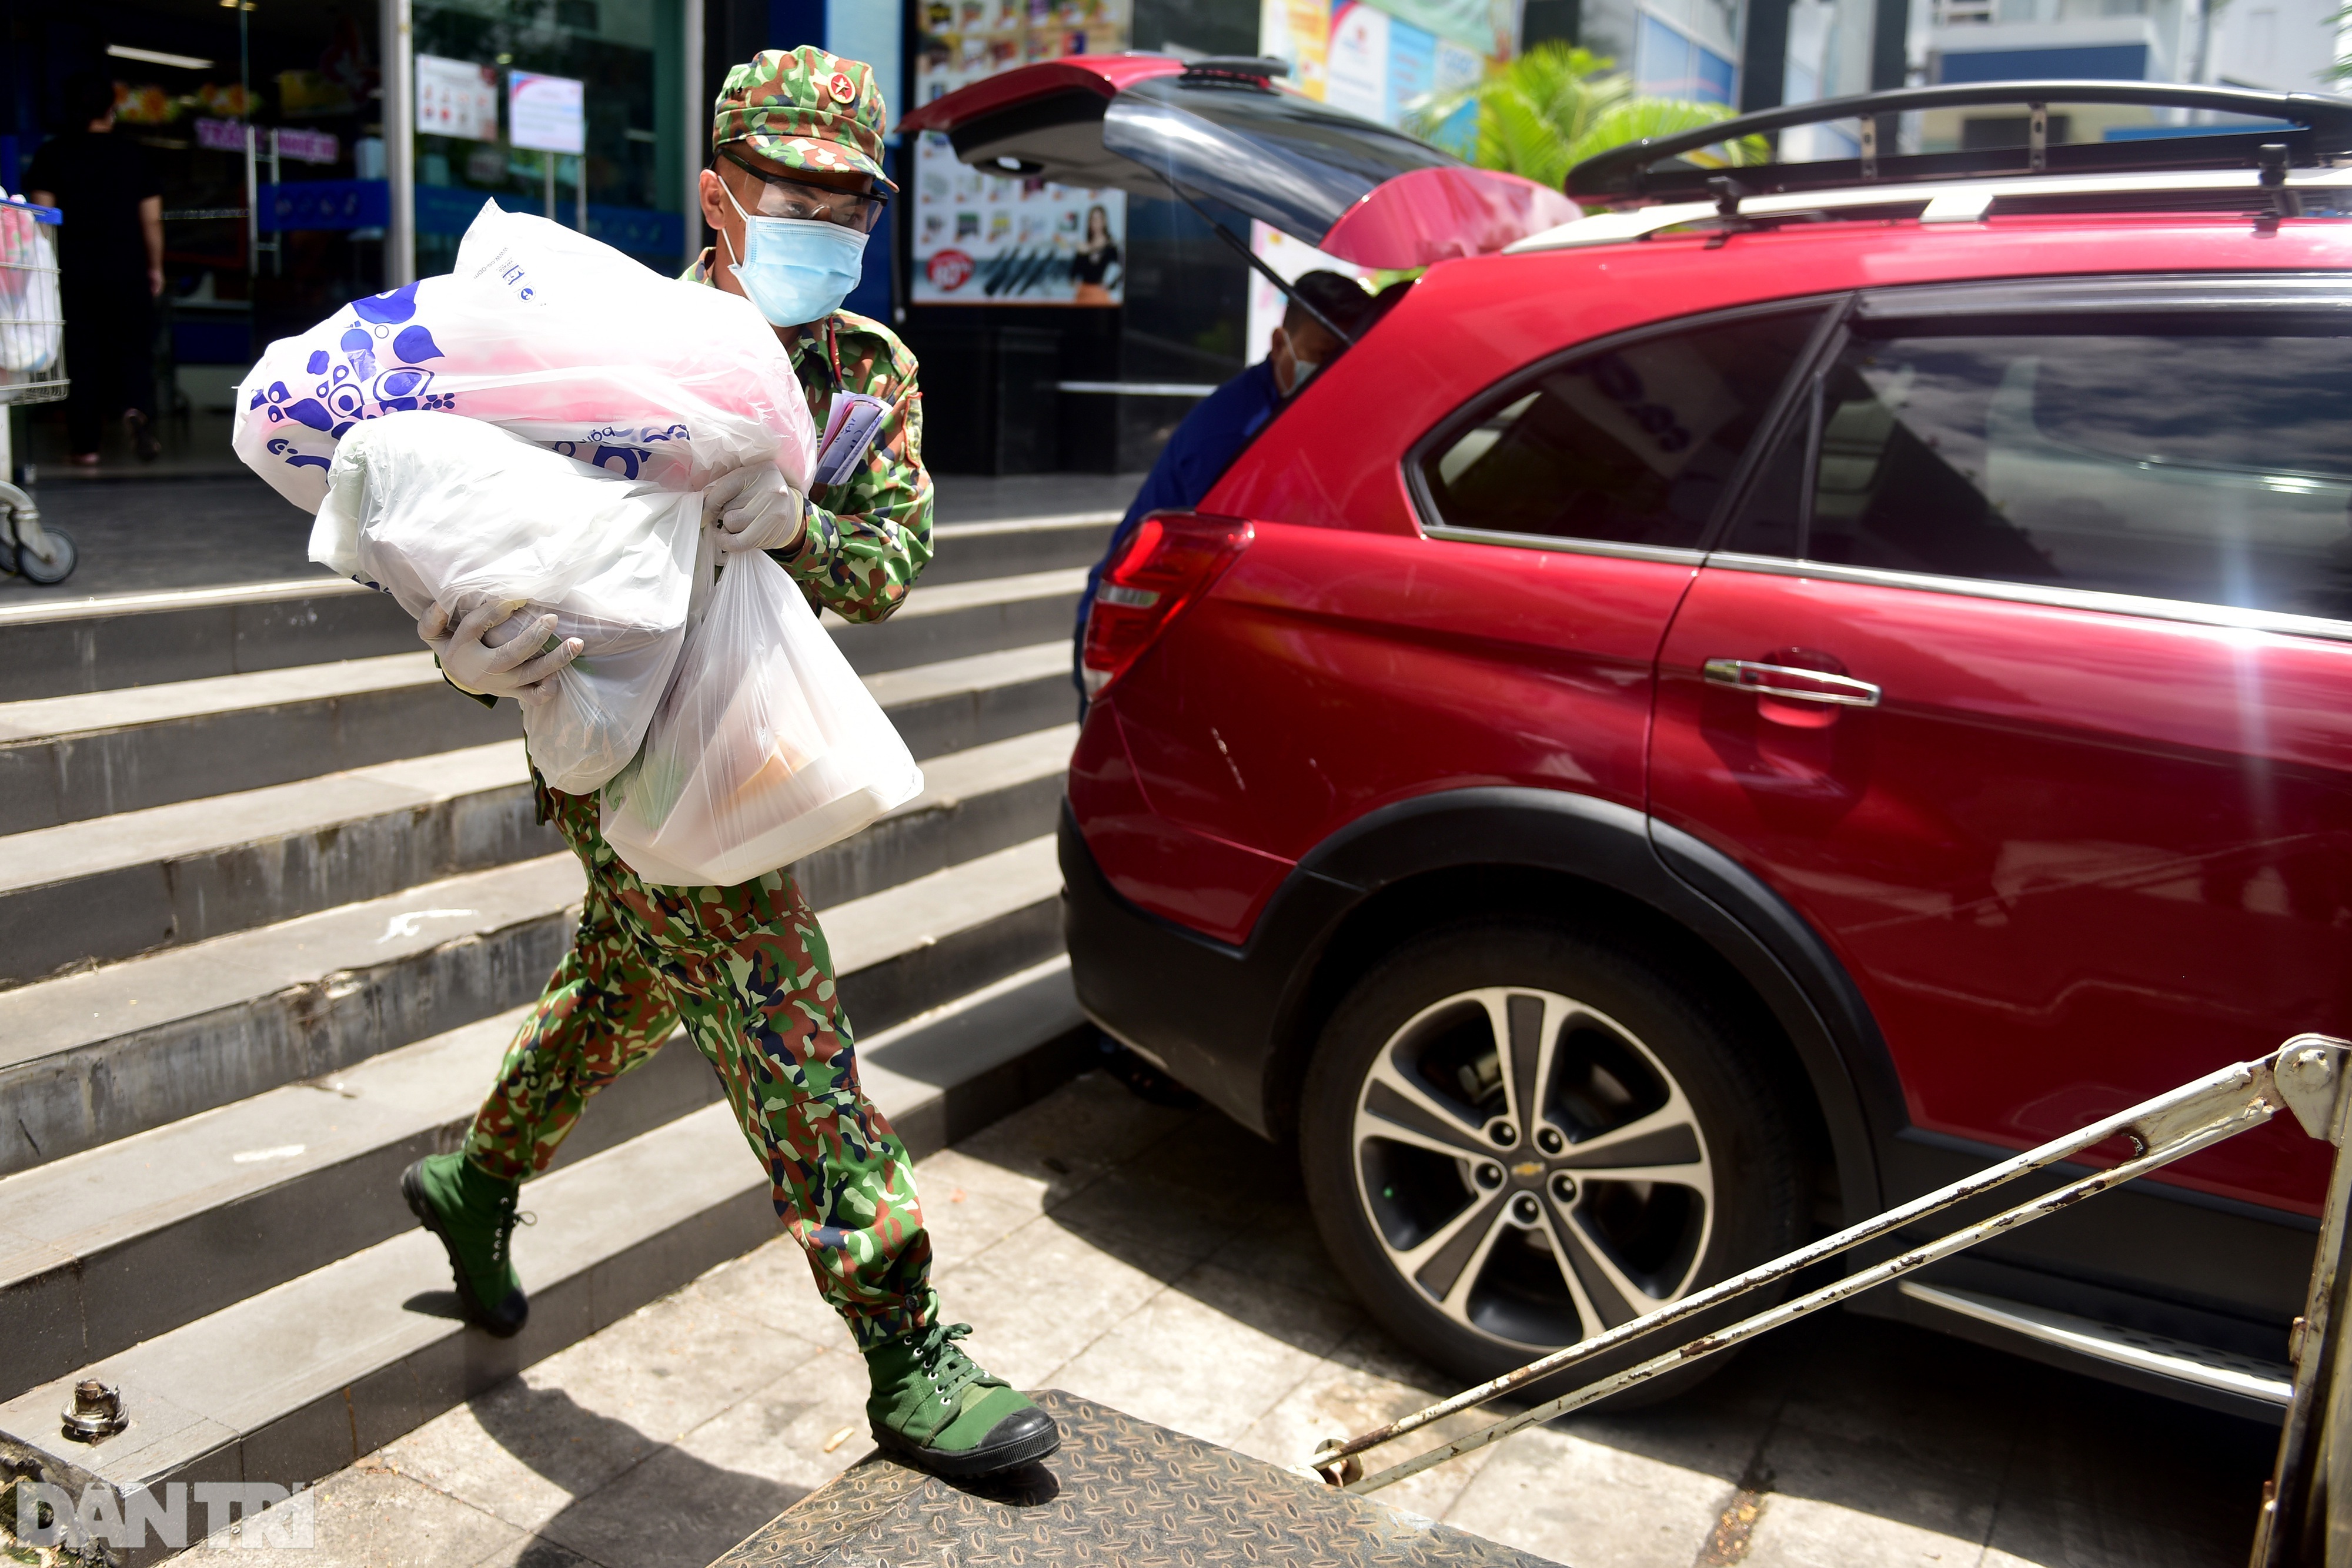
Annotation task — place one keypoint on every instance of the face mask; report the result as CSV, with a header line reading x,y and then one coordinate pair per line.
x,y
1300,371
797,269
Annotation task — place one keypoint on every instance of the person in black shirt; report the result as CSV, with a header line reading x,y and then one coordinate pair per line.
x,y
1093,260
110,263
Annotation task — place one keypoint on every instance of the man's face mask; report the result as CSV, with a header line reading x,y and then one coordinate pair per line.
x,y
798,269
1301,368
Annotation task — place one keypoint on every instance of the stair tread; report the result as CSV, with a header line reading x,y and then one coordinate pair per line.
x,y
126,707
94,607
103,606
976,671
979,770
949,598
69,1010
211,824
920,913
1024,524
214,822
121,708
327,1331
73,1010
74,1207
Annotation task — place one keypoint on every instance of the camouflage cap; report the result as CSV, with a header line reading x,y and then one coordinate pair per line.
x,y
805,108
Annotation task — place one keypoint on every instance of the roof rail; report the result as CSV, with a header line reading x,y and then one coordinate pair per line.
x,y
2321,128
2257,194
1238,67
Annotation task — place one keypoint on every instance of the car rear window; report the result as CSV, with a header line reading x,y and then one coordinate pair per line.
x,y
1286,158
1632,444
2208,466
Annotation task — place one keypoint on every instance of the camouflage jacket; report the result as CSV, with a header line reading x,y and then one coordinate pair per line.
x,y
866,538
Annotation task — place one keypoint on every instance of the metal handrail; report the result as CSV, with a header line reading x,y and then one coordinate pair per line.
x,y
2304,1076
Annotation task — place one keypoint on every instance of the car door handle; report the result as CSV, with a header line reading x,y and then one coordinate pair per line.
x,y
1789,682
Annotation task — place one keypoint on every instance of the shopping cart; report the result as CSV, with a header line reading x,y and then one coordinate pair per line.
x,y
32,370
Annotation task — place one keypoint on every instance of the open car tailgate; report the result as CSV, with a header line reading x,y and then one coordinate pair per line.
x,y
1221,130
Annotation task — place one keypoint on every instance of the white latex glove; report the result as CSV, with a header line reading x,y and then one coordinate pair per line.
x,y
495,652
757,509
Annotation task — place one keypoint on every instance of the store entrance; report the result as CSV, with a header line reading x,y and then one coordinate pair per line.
x,y
274,110
568,109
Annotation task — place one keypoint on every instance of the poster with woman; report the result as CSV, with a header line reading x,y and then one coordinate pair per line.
x,y
992,239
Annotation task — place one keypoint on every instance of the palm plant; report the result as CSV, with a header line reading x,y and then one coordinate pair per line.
x,y
1557,105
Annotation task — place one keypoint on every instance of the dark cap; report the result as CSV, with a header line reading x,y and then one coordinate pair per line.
x,y
1340,297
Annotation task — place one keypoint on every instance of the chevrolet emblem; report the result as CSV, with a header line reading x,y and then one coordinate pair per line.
x,y
1527,1168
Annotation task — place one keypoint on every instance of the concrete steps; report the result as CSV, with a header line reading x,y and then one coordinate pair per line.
x,y
100,1054
217,1202
271,901
63,647
114,887
298,1381
98,754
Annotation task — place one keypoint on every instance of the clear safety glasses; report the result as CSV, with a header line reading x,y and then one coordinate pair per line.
x,y
783,196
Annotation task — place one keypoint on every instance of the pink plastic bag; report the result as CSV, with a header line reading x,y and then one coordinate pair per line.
x,y
544,332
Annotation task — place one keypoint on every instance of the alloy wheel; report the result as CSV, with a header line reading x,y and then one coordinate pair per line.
x,y
1531,1167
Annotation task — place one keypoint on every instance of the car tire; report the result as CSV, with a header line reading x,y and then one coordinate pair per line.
x,y
1448,1206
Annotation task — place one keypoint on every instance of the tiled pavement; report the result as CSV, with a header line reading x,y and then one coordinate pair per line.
x,y
1162,1262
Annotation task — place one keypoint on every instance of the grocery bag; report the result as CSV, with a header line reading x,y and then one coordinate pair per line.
x,y
430,508
766,748
32,317
550,334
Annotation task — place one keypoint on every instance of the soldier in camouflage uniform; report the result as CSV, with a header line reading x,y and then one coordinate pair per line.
x,y
796,137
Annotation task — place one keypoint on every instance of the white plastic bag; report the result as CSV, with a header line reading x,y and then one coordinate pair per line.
x,y
767,748
548,333
431,508
32,317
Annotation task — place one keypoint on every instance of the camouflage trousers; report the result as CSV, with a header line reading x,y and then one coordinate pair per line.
x,y
747,971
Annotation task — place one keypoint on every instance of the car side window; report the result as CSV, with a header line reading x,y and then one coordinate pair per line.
x,y
1632,444
2212,466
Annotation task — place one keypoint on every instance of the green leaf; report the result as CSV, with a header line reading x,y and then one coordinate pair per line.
x,y
1557,105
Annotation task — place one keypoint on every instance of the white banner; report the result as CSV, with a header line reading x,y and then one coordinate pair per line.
x,y
549,114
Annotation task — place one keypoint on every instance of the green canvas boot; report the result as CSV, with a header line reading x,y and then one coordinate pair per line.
x,y
474,1216
934,1407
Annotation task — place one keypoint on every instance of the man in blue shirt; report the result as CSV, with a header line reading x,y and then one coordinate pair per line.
x,y
1215,432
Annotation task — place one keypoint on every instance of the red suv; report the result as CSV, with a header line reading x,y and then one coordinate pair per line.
x,y
1727,714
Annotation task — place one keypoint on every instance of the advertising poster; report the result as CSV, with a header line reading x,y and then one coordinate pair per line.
x,y
989,239
1489,28
456,98
1379,60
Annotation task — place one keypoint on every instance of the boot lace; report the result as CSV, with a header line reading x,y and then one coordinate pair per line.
x,y
507,1219
950,1370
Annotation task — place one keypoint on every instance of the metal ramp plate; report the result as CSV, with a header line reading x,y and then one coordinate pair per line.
x,y
1120,1492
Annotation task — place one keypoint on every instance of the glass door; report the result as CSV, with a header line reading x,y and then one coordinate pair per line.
x,y
261,120
564,108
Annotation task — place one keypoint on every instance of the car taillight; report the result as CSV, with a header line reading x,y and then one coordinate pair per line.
x,y
1171,559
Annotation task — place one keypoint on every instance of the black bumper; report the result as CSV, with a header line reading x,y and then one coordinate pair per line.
x,y
1210,1013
